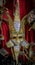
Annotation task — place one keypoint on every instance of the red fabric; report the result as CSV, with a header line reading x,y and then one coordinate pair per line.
x,y
33,3
5,27
25,7
22,6
5,32
10,6
29,35
23,58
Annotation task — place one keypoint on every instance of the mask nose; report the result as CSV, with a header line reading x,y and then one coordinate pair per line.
x,y
17,40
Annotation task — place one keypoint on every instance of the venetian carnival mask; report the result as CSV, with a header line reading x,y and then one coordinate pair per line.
x,y
17,29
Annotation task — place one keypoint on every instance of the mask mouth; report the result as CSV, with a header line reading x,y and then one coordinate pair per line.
x,y
15,43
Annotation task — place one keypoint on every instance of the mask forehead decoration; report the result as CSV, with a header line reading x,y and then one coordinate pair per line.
x,y
17,20
17,26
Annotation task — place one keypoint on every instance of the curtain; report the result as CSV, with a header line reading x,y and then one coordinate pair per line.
x,y
25,7
5,33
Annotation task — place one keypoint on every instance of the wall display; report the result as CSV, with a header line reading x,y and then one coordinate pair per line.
x,y
17,22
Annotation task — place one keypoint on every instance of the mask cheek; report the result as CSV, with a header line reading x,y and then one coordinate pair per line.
x,y
18,41
14,40
21,39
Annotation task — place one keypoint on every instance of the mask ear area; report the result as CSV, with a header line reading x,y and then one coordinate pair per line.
x,y
14,37
20,37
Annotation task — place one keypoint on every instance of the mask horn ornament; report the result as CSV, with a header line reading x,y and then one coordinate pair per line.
x,y
17,20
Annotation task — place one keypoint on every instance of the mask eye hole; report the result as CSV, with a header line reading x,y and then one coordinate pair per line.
x,y
0,12
14,37
20,37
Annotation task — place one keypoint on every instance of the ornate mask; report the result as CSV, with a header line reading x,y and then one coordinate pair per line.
x,y
16,29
